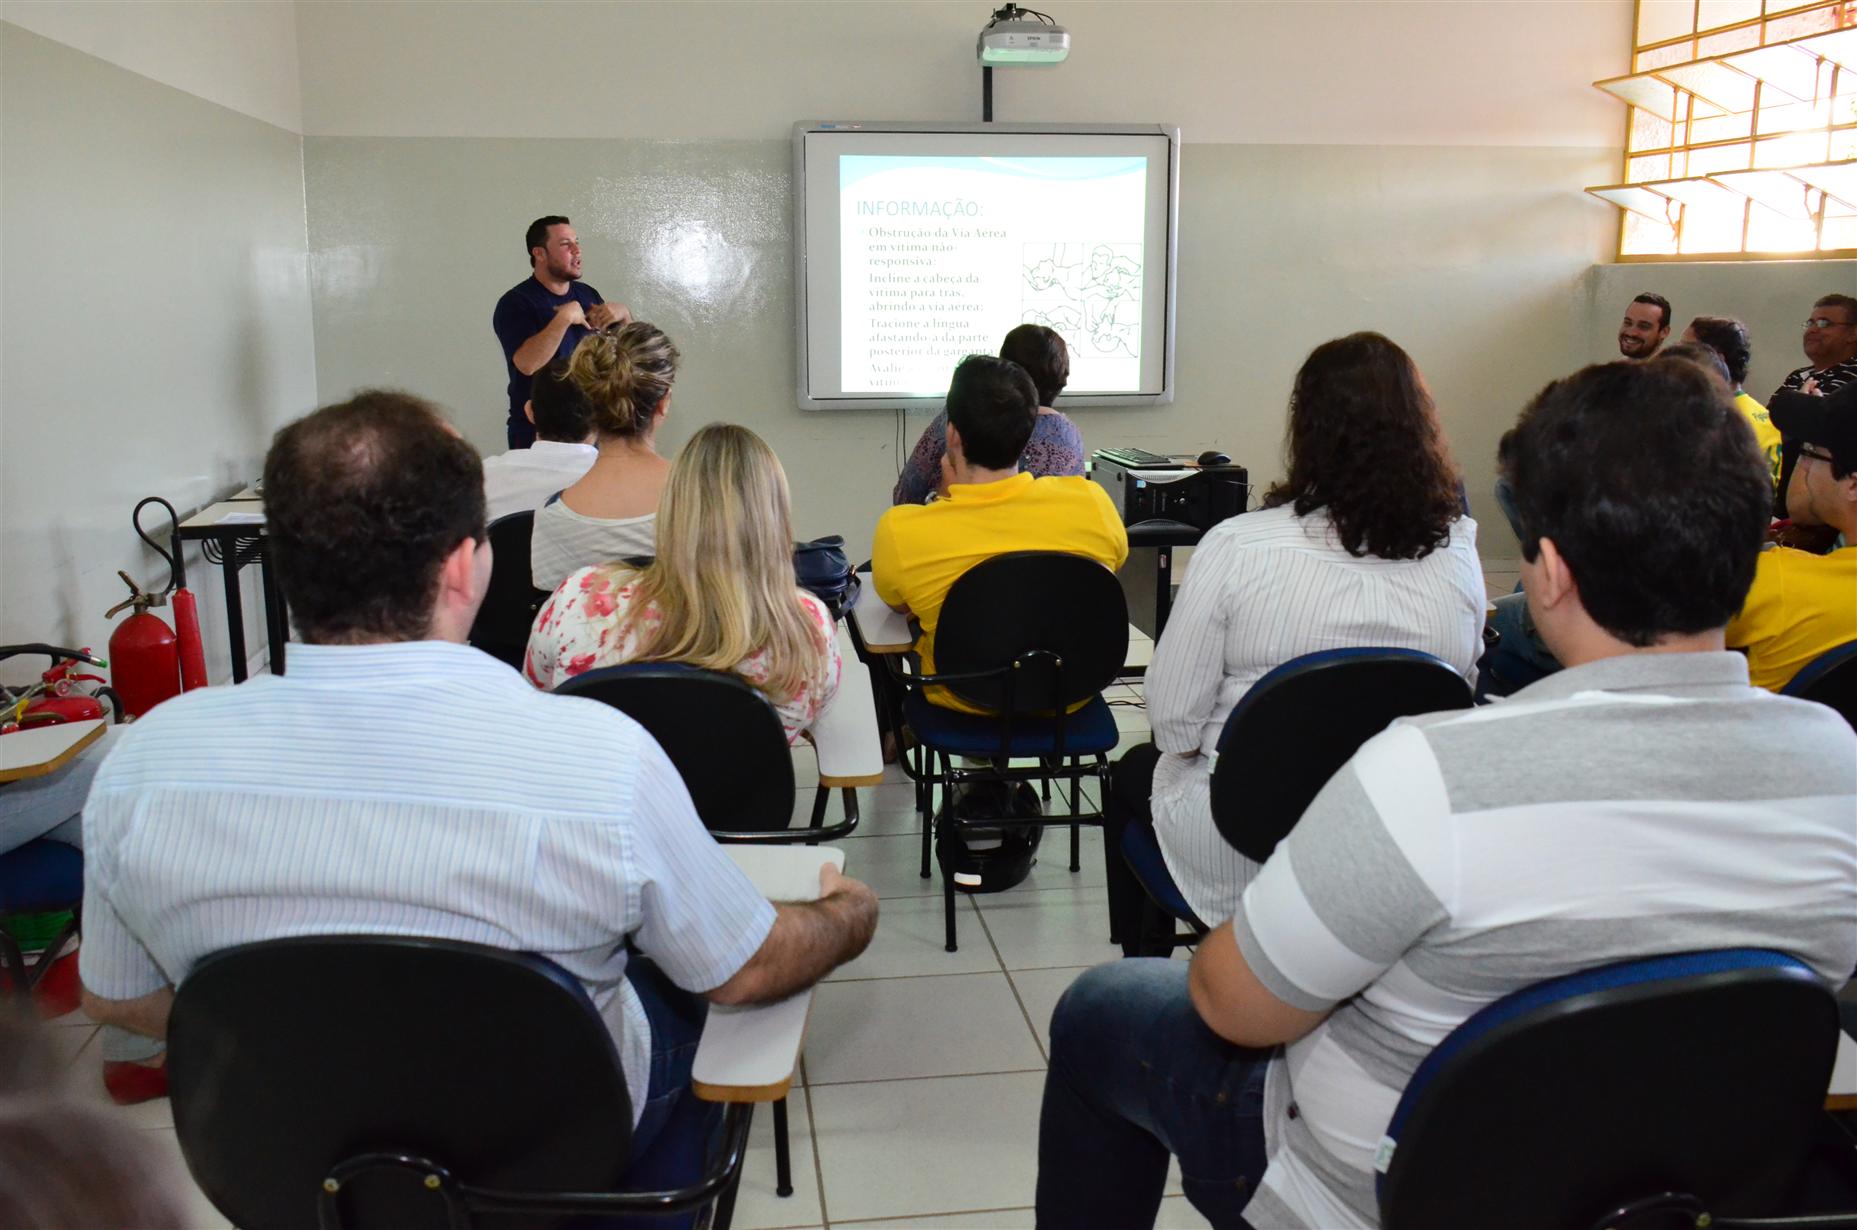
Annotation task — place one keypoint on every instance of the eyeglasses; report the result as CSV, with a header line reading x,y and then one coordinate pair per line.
x,y
1825,322
1814,454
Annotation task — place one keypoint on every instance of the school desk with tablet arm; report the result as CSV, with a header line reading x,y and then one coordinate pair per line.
x,y
231,534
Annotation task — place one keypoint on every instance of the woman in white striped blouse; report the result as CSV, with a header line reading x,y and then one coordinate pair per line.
x,y
1364,544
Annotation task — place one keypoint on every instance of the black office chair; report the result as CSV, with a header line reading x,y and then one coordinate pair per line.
x,y
727,742
1288,735
1683,1090
731,751
1025,635
1831,680
40,877
323,1083
510,603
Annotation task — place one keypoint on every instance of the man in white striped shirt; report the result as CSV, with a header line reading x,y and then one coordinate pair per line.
x,y
1644,801
399,782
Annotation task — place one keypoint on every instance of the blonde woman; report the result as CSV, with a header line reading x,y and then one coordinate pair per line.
x,y
720,593
611,512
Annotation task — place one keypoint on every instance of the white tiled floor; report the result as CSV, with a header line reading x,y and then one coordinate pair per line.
x,y
918,1103
923,1069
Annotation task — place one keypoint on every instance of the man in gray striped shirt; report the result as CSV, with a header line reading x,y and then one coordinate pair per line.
x,y
1645,800
399,782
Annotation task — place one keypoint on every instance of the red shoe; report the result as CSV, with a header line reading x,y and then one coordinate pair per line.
x,y
129,1082
57,993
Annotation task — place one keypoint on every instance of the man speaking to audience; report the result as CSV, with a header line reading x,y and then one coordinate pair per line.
x,y
544,316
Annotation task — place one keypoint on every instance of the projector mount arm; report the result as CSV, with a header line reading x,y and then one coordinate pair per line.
x,y
1007,12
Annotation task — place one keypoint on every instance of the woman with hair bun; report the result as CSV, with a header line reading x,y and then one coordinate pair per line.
x,y
720,594
611,513
1364,544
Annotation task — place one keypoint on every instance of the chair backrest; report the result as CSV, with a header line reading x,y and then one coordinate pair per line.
x,y
724,737
289,1056
1302,721
1831,680
1068,609
510,603
1700,1073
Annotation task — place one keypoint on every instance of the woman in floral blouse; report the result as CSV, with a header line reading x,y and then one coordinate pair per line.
x,y
721,593
1056,446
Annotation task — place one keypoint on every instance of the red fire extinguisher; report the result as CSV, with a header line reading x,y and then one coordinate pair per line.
x,y
149,661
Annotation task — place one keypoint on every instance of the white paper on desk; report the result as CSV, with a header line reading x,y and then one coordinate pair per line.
x,y
241,518
785,873
1844,1071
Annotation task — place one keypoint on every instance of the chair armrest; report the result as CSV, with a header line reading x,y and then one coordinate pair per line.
x,y
845,735
878,626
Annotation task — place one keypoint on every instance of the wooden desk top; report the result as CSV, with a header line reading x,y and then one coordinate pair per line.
x,y
45,749
882,629
1843,1092
748,1053
241,514
845,736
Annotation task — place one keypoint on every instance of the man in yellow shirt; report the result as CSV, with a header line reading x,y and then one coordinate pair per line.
x,y
1728,338
1803,604
990,508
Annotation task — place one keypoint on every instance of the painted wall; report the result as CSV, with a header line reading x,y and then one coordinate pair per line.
x,y
1413,167
1339,72
1772,298
412,240
240,54
154,326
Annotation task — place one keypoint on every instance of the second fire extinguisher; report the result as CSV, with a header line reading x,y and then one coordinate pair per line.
x,y
150,662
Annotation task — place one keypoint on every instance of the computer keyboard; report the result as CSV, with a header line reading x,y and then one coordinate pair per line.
x,y
1140,459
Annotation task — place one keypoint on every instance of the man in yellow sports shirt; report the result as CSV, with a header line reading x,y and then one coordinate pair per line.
x,y
1803,604
1728,338
990,508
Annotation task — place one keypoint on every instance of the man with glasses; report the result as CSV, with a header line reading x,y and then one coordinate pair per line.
x,y
1830,347
1802,604
544,316
1831,353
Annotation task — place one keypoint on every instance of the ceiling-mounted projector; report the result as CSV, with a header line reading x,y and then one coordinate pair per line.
x,y
1022,38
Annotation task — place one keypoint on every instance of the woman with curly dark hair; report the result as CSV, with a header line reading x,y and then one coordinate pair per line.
x,y
1364,544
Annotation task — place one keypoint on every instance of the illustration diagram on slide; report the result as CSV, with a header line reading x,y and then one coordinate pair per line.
x,y
1089,292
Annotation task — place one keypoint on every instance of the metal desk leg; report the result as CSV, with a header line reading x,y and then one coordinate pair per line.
x,y
276,621
235,607
1163,589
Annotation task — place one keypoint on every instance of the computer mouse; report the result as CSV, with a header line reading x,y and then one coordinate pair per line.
x,y
1213,457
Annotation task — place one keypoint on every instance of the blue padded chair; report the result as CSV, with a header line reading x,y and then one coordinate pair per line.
x,y
1027,636
1679,1090
501,628
1288,735
1831,680
329,1082
38,878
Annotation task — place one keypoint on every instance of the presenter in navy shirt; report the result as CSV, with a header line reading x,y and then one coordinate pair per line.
x,y
545,315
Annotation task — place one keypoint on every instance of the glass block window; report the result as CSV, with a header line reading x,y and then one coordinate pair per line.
x,y
1742,136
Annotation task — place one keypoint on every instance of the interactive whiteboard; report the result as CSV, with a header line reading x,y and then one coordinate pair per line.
x,y
917,244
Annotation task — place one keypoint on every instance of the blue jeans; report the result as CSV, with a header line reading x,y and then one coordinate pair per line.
x,y
52,805
676,1131
1136,1075
1520,657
